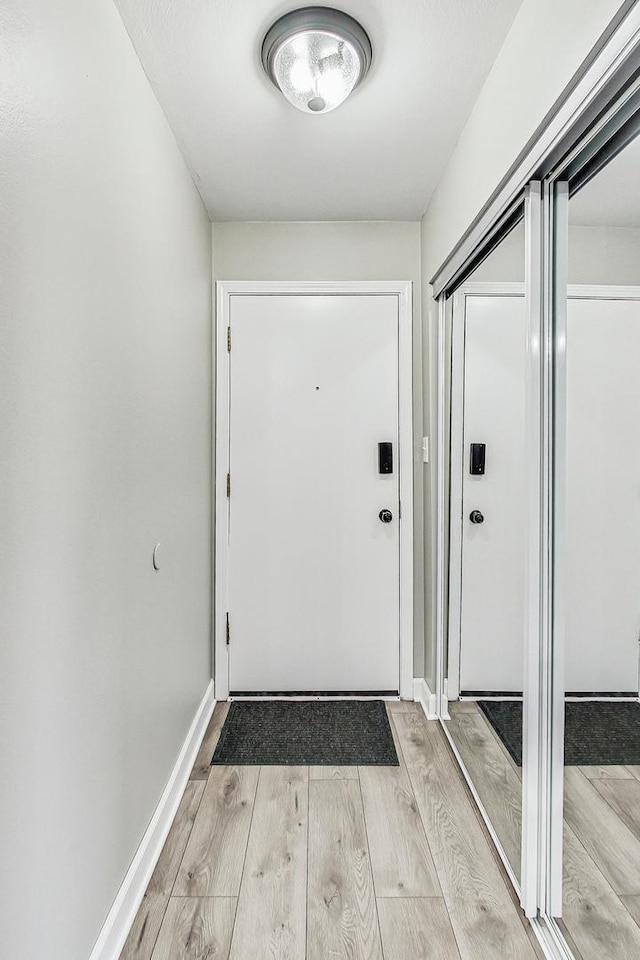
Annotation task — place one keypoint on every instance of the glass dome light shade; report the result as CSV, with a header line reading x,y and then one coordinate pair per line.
x,y
316,56
316,71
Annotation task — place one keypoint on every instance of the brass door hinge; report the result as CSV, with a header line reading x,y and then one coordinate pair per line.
x,y
229,339
228,631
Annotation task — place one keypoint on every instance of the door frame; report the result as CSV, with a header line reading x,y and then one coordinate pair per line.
x,y
225,290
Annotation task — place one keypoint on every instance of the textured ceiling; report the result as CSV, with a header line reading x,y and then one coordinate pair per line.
x,y
378,156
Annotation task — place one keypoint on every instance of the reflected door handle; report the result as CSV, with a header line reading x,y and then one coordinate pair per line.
x,y
476,517
386,516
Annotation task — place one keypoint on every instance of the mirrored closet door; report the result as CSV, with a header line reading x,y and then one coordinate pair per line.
x,y
485,653
597,550
539,528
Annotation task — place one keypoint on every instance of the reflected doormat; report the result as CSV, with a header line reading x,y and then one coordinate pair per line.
x,y
301,732
597,733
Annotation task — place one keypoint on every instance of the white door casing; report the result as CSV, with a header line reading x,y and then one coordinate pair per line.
x,y
315,585
602,512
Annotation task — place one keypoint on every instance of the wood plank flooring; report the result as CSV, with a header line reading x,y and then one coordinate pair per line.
x,y
275,869
330,863
484,920
595,917
416,927
195,927
342,917
149,918
214,858
489,764
601,895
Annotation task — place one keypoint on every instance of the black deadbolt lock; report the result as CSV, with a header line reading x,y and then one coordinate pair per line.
x,y
386,516
476,517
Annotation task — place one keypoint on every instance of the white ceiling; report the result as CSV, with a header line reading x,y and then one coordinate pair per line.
x,y
378,156
612,198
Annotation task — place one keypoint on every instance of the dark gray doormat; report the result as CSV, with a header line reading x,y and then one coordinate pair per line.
x,y
596,733
317,732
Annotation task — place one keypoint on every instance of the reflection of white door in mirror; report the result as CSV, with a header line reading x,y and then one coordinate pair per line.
x,y
602,599
493,550
602,532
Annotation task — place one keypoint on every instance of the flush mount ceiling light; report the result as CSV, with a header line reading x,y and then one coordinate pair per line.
x,y
316,56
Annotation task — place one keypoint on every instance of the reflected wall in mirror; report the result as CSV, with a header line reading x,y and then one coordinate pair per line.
x,y
599,530
487,525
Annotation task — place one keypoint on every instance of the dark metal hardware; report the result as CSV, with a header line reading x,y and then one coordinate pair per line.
x,y
385,458
478,452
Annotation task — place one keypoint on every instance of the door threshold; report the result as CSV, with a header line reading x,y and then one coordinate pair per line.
x,y
315,695
490,695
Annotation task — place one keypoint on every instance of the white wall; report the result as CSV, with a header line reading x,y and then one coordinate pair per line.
x,y
545,47
323,250
105,284
598,255
607,255
362,250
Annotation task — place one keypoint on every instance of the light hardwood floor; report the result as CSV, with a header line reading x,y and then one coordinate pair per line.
x,y
601,896
331,863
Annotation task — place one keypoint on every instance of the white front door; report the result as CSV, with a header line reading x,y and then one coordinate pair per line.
x,y
601,526
313,571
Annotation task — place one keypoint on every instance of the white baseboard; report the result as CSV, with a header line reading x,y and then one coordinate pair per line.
x,y
422,695
122,914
